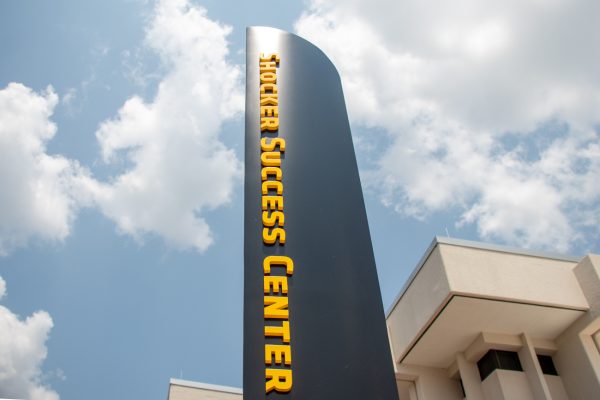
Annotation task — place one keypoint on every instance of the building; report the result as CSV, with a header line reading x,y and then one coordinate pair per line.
x,y
483,322
180,389
526,322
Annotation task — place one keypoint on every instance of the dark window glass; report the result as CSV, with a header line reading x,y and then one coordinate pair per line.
x,y
509,360
547,365
487,364
498,359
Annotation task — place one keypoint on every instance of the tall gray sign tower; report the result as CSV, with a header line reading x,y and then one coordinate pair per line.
x,y
314,326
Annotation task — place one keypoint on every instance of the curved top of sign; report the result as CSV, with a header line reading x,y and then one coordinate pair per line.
x,y
268,35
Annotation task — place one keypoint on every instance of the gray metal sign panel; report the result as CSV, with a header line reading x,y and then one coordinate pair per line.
x,y
322,284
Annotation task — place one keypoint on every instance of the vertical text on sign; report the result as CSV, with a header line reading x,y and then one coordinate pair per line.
x,y
271,148
278,352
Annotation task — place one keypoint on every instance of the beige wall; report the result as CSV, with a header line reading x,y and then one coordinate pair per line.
x,y
522,280
407,390
499,275
418,304
492,389
577,359
557,389
507,385
183,392
431,383
480,273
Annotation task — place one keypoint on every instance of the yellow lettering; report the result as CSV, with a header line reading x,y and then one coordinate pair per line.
x,y
276,217
270,237
268,86
269,100
281,352
269,111
267,66
283,261
269,123
279,284
270,171
272,203
276,307
268,144
279,380
268,77
270,159
266,185
275,298
282,331
270,57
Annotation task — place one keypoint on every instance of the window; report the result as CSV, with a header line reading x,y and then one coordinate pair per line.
x,y
547,365
498,359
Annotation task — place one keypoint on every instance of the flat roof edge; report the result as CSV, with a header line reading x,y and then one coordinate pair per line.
x,y
507,249
475,245
207,386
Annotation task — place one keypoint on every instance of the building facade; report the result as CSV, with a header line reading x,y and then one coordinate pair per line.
x,y
483,322
180,389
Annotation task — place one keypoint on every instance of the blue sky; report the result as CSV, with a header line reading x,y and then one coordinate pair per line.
x,y
121,153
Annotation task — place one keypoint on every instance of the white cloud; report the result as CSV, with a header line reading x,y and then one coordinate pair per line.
x,y
36,187
489,107
22,352
179,167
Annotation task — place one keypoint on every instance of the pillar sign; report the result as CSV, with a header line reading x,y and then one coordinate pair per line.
x,y
314,326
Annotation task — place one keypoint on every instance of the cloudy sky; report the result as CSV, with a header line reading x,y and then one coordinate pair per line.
x,y
121,164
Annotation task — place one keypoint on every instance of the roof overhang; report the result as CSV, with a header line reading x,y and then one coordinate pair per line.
x,y
462,319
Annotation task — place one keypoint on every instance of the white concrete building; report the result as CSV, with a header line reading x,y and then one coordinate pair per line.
x,y
483,322
180,389
473,318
